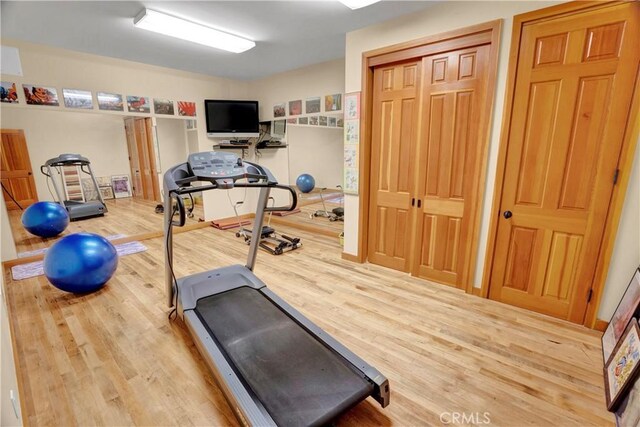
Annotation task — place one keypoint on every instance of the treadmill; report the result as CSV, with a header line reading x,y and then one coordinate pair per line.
x,y
77,209
273,364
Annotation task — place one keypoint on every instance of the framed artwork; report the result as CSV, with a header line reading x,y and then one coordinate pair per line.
x,y
107,193
303,120
74,98
163,106
8,93
628,413
352,132
121,186
138,104
293,121
322,120
352,106
41,95
295,107
628,307
109,101
351,156
279,110
186,108
333,102
623,367
313,120
340,122
312,105
350,180
331,122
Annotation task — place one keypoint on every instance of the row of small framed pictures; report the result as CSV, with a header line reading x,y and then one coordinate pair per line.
x,y
83,99
332,103
328,121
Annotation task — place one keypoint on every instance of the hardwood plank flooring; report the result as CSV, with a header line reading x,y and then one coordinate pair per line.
x,y
129,216
113,357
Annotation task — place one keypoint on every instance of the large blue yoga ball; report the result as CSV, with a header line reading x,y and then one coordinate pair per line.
x,y
80,262
45,219
305,183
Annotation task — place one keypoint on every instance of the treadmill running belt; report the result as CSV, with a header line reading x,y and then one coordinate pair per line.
x,y
298,380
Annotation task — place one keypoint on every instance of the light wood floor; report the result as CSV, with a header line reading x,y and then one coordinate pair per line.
x,y
113,357
129,216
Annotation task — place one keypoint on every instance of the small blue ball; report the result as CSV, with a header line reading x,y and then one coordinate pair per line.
x,y
305,183
45,219
80,262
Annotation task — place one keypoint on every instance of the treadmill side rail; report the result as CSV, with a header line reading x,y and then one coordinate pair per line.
x,y
244,406
382,392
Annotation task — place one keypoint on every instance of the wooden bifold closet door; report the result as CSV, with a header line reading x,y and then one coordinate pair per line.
x,y
427,141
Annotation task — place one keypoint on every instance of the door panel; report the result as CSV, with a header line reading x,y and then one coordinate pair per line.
x,y
15,173
573,89
392,163
449,151
134,162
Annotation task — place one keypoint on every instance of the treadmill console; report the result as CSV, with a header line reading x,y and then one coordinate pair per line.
x,y
221,168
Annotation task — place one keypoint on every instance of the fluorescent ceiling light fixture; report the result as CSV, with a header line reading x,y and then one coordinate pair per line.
x,y
357,4
176,27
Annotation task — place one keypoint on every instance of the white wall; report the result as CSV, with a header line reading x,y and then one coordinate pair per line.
x,y
447,16
307,145
8,383
172,144
61,68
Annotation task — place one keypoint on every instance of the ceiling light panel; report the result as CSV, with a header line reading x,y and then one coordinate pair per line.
x,y
158,22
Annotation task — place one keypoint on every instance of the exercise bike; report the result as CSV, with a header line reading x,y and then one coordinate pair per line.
x,y
270,241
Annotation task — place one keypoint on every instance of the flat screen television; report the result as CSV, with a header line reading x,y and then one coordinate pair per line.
x,y
227,118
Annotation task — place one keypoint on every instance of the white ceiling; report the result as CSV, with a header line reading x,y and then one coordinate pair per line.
x,y
288,34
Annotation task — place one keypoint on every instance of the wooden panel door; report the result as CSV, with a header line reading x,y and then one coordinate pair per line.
x,y
450,149
16,174
395,113
134,163
573,90
142,158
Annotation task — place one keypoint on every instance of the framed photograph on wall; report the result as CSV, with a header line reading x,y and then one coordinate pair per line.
x,y
333,102
293,121
295,107
74,98
313,120
303,120
41,95
628,307
623,367
322,120
163,106
110,101
279,110
186,108
312,105
8,93
121,186
138,104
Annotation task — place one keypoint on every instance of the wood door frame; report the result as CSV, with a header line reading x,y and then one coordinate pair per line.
x,y
625,161
480,34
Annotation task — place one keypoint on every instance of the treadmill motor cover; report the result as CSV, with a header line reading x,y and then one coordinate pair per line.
x,y
299,381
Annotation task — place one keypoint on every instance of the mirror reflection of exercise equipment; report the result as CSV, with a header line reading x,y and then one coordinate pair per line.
x,y
70,168
270,240
306,183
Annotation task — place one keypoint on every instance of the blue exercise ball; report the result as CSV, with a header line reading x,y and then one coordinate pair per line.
x,y
80,262
45,219
305,183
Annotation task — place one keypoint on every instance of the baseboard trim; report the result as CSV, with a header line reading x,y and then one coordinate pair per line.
x,y
350,257
601,325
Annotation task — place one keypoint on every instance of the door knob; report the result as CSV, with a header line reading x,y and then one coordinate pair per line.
x,y
507,214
